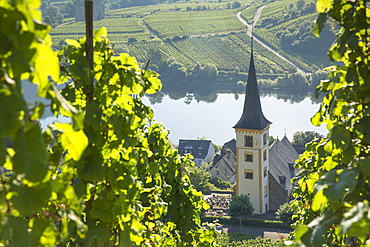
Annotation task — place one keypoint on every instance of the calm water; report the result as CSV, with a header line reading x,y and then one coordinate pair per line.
x,y
215,120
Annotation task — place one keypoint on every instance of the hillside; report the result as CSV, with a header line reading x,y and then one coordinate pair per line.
x,y
182,38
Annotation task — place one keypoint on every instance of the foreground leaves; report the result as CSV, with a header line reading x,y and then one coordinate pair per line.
x,y
332,197
108,178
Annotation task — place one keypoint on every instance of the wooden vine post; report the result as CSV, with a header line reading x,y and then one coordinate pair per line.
x,y
89,47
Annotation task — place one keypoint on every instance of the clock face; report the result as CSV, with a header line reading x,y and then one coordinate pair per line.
x,y
256,141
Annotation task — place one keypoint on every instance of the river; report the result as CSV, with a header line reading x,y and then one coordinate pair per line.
x,y
214,121
212,115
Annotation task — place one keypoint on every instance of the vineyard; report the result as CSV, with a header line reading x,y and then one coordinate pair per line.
x,y
227,53
288,16
120,29
243,240
203,33
185,23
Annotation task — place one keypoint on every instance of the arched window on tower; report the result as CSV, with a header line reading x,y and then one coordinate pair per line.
x,y
248,157
264,139
248,174
249,141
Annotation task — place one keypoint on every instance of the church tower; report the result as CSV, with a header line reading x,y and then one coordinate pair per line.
x,y
252,147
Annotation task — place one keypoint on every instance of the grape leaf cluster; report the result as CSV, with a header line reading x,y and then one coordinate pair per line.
x,y
109,177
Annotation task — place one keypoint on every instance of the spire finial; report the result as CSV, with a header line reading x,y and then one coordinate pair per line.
x,y
285,129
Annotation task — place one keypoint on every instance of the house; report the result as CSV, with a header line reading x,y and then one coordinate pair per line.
x,y
202,150
282,159
281,169
224,168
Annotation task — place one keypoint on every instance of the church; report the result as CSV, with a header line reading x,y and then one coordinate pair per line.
x,y
260,170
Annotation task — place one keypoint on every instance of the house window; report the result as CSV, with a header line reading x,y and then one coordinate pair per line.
x,y
249,157
248,174
249,141
265,171
217,173
266,191
200,150
264,155
282,180
264,139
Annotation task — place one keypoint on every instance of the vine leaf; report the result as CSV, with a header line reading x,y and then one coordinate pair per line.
x,y
75,142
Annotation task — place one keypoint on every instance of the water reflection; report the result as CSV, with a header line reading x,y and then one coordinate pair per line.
x,y
190,114
209,95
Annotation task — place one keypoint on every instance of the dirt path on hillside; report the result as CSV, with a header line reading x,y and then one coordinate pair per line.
x,y
249,33
65,23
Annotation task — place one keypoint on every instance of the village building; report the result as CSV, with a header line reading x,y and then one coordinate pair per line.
x,y
201,150
282,159
224,168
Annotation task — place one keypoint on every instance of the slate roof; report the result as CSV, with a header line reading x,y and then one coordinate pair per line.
x,y
282,158
199,148
300,148
227,164
252,116
230,145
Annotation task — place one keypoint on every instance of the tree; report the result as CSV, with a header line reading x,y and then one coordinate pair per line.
x,y
52,14
69,9
219,183
304,137
240,207
332,190
201,178
300,4
235,5
109,177
131,40
115,5
285,214
271,140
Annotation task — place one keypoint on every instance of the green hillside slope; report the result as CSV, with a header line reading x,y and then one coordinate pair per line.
x,y
195,33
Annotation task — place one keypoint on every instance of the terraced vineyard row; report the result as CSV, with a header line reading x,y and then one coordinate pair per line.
x,y
119,29
216,35
226,53
180,23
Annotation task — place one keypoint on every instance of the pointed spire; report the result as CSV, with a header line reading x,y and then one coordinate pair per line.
x,y
252,116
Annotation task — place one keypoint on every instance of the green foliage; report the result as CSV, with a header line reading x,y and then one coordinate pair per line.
x,y
304,137
33,196
201,178
219,183
285,214
110,177
244,240
240,206
333,192
277,224
271,140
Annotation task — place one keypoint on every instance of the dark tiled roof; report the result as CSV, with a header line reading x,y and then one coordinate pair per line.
x,y
282,158
299,148
252,116
230,145
199,147
227,164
